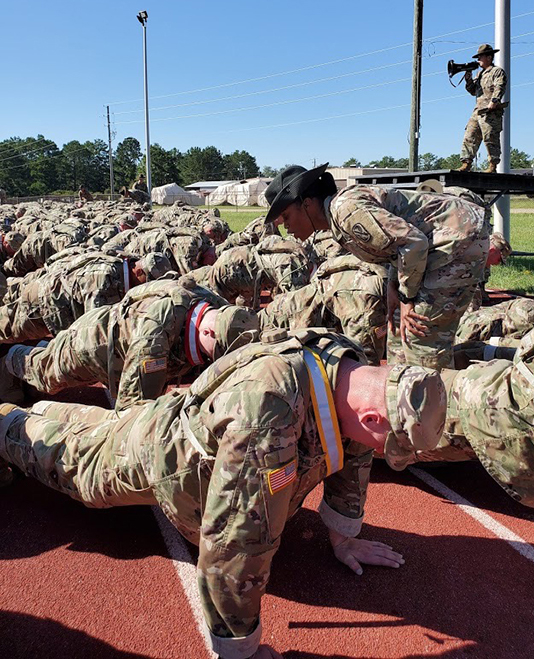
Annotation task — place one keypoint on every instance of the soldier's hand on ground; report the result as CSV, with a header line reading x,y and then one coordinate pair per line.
x,y
266,652
393,305
411,321
354,552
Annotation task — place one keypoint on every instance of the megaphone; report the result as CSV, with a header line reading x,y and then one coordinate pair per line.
x,y
453,68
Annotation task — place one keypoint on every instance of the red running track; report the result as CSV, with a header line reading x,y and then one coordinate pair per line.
x,y
89,583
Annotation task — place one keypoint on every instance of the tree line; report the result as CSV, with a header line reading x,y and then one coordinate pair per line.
x,y
36,166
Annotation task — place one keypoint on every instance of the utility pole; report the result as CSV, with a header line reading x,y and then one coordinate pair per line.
x,y
142,17
111,182
415,119
501,219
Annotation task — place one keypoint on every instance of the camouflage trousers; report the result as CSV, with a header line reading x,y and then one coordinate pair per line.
x,y
20,316
485,127
105,459
444,308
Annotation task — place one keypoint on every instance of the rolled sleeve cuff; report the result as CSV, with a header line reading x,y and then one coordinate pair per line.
x,y
234,648
347,526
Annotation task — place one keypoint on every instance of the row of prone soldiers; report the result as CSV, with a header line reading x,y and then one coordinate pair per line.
x,y
286,393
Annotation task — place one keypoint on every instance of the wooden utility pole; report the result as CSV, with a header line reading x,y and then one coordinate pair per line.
x,y
415,120
111,183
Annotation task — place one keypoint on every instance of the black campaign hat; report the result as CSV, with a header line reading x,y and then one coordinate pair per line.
x,y
288,186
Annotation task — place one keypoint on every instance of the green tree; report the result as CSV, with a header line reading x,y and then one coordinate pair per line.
x,y
165,166
428,162
85,163
202,165
450,162
240,165
125,162
389,162
520,159
269,172
352,162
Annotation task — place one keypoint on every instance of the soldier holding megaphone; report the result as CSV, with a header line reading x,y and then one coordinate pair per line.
x,y
489,87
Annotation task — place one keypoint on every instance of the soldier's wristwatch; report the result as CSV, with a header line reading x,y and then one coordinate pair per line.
x,y
405,299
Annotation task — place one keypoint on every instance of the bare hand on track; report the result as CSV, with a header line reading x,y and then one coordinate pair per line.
x,y
354,552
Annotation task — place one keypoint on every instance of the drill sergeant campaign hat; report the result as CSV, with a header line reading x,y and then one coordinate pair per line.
x,y
416,403
154,265
234,327
485,49
498,241
287,186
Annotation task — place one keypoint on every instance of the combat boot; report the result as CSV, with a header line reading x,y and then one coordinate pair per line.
x,y
11,390
465,166
6,474
492,168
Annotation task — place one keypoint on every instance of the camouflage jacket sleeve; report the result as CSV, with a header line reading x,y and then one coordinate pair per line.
x,y
146,363
471,85
499,80
29,257
257,418
101,288
346,490
376,235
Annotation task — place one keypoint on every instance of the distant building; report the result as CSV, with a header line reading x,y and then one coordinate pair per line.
x,y
343,175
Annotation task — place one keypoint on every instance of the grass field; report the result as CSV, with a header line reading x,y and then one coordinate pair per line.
x,y
517,275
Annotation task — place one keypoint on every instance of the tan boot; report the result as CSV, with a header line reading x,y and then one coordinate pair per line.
x,y
492,168
466,166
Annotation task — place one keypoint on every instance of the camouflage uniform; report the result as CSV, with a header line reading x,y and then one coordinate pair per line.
x,y
321,246
488,85
139,343
489,418
437,247
41,245
275,264
51,299
228,462
510,320
345,294
250,235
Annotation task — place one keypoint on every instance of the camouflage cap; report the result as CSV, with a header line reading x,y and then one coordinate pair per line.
x,y
14,239
154,265
234,327
417,406
498,241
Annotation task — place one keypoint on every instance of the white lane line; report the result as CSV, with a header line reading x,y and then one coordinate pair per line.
x,y
498,529
185,569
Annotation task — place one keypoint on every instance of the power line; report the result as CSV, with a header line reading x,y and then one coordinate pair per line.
x,y
23,146
58,155
354,114
286,102
316,66
20,155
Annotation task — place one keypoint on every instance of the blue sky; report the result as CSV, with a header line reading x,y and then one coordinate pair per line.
x,y
64,61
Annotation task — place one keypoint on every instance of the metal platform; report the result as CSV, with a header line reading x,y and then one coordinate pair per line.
x,y
479,182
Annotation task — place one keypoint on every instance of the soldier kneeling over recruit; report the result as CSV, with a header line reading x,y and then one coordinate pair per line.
x,y
160,331
436,246
232,458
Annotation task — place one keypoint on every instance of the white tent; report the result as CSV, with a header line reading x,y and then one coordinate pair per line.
x,y
168,194
239,193
262,200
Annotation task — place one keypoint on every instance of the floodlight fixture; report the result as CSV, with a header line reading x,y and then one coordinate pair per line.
x,y
142,17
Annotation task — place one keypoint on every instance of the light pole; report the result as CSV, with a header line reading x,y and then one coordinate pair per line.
x,y
142,17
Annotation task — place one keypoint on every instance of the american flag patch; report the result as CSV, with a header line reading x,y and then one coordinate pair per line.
x,y
381,331
279,478
153,365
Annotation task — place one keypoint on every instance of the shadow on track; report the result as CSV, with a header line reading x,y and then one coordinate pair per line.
x,y
22,635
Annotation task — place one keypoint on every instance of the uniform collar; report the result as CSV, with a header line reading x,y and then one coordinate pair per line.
x,y
192,324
